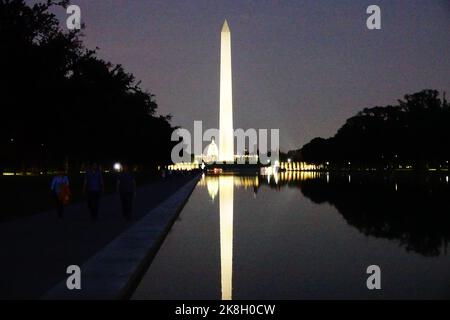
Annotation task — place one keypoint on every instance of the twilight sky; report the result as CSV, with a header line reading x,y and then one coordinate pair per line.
x,y
303,66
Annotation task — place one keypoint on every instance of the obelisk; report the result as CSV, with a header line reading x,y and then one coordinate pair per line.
x,y
226,146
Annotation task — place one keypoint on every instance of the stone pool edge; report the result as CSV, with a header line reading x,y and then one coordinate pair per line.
x,y
114,272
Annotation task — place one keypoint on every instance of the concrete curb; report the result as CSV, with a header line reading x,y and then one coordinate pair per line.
x,y
114,272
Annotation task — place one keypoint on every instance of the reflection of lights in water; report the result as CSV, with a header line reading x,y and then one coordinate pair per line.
x,y
328,177
226,184
349,179
396,187
446,179
239,181
276,177
213,187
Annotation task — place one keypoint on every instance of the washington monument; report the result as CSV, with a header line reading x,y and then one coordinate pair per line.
x,y
226,146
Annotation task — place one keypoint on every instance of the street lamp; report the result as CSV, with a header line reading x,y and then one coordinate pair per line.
x,y
117,166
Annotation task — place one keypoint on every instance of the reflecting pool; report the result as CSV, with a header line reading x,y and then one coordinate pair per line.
x,y
305,235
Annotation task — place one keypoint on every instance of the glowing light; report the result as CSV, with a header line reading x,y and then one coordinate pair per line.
x,y
217,170
184,166
211,153
289,160
276,177
212,184
226,146
117,166
226,184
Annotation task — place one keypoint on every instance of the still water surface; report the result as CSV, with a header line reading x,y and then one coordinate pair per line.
x,y
306,236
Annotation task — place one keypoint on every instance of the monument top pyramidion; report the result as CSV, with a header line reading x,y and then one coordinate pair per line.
x,y
225,27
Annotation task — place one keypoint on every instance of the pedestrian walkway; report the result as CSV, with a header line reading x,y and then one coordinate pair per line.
x,y
35,251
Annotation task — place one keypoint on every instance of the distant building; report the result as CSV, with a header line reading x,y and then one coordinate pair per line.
x,y
211,154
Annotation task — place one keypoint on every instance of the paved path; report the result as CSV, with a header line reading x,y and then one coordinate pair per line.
x,y
35,251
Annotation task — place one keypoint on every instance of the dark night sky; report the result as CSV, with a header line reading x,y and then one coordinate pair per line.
x,y
300,66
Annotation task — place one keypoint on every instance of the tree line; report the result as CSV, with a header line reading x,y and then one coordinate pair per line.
x,y
415,131
61,103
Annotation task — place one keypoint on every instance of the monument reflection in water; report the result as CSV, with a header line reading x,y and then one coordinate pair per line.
x,y
307,235
224,185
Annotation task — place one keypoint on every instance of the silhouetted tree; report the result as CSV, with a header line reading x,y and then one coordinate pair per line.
x,y
60,101
414,131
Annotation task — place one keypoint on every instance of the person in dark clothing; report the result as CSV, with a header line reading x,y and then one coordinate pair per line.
x,y
93,187
126,186
59,182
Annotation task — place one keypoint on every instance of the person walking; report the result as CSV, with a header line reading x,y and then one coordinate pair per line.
x,y
60,191
126,186
93,187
